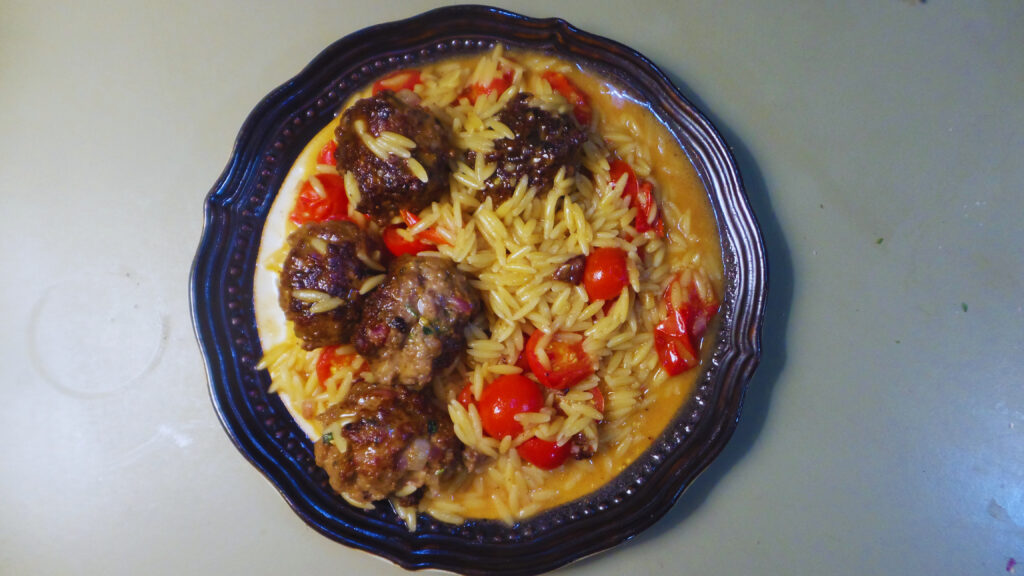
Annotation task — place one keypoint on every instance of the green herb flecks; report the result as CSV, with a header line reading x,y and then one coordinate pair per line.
x,y
327,438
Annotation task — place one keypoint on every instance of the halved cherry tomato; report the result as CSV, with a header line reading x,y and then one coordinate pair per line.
x,y
645,204
641,195
326,155
310,206
430,235
465,396
522,362
544,454
398,245
568,363
330,360
598,399
497,84
580,105
674,345
605,273
502,399
398,81
677,337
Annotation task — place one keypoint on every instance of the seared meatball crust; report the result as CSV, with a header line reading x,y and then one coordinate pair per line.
x,y
412,326
388,185
383,440
323,263
544,142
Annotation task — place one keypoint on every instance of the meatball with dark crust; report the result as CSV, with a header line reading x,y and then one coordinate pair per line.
x,y
387,185
381,440
320,281
412,325
544,143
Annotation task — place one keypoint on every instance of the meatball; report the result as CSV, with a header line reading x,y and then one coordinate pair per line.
x,y
412,325
543,143
390,184
320,281
382,441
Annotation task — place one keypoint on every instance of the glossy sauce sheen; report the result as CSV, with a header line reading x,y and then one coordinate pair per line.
x,y
676,181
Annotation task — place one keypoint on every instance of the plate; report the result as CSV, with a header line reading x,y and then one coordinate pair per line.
x,y
264,431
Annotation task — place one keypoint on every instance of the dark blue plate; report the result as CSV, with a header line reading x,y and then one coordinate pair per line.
x,y
265,433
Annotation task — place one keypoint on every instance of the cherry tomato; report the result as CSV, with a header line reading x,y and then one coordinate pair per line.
x,y
398,245
326,155
330,361
568,363
598,399
502,399
605,273
465,396
645,204
677,337
616,168
398,81
544,454
430,235
497,84
580,104
310,206
641,195
674,345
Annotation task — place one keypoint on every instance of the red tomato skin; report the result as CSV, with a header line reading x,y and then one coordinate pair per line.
x,y
498,84
580,104
330,359
310,207
598,397
465,396
644,205
675,350
398,245
677,338
616,168
430,235
326,155
544,454
397,81
505,397
641,196
605,273
569,364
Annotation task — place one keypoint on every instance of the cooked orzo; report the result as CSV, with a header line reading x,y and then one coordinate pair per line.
x,y
558,264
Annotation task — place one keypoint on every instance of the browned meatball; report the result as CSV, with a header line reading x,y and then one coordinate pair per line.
x,y
388,185
412,325
544,143
383,440
320,281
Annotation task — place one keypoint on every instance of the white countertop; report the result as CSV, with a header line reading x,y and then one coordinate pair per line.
x,y
882,147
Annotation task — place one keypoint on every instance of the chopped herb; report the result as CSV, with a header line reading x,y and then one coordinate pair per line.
x,y
439,471
964,306
427,330
431,426
880,240
327,438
